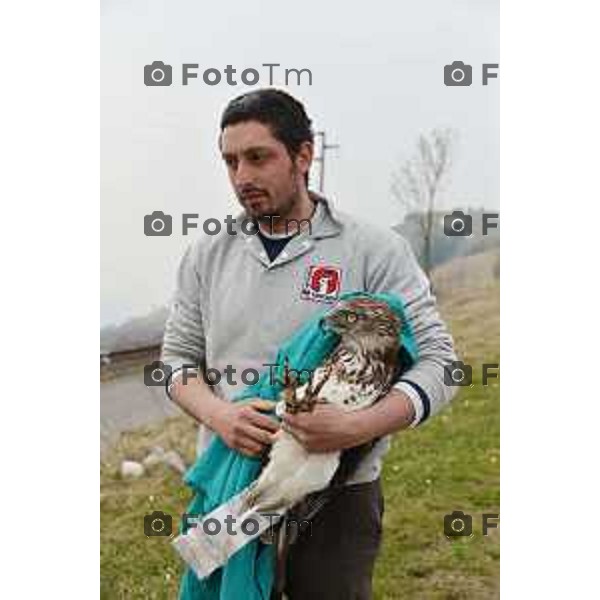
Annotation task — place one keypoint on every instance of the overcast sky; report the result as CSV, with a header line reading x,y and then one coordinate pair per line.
x,y
377,83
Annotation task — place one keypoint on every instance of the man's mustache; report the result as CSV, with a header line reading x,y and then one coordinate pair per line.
x,y
251,191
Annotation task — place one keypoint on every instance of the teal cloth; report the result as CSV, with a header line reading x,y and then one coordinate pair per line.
x,y
220,473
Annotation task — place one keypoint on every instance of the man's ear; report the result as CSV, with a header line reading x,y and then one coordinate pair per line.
x,y
304,157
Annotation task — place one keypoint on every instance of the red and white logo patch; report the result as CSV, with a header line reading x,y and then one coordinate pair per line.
x,y
323,283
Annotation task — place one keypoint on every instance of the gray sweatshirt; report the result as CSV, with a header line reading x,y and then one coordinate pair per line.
x,y
232,307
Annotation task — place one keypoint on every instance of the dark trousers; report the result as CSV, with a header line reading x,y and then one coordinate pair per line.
x,y
334,559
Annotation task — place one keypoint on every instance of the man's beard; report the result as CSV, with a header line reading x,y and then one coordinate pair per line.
x,y
284,208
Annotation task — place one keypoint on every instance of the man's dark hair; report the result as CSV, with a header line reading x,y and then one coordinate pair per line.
x,y
284,115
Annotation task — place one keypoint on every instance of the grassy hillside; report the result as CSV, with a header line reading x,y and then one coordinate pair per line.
x,y
451,463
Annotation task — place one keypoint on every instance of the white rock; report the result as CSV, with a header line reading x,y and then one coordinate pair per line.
x,y
174,460
155,457
170,458
131,469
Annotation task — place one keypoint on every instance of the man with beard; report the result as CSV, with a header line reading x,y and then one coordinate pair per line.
x,y
239,296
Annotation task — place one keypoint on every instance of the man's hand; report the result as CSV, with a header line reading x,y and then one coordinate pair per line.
x,y
243,428
329,428
241,425
326,429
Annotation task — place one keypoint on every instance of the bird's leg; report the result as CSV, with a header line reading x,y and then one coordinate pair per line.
x,y
286,375
290,396
311,396
289,383
290,387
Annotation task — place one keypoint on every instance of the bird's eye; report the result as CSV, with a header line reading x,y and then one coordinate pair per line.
x,y
351,317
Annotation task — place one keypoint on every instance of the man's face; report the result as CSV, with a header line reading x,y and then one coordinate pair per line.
x,y
265,178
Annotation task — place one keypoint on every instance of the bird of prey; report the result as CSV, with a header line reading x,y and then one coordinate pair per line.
x,y
358,372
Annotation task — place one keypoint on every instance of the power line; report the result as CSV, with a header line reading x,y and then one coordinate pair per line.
x,y
320,158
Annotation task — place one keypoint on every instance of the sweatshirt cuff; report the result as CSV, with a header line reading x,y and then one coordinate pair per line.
x,y
419,399
187,370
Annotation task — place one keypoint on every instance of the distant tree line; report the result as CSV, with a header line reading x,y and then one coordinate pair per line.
x,y
442,247
416,187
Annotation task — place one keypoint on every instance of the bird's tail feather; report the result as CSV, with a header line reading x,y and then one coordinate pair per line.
x,y
212,542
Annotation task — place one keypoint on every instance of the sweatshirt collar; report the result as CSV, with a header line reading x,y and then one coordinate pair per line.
x,y
325,222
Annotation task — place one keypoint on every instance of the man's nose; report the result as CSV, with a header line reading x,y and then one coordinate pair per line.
x,y
244,174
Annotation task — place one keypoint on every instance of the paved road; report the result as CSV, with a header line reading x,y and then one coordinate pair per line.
x,y
126,403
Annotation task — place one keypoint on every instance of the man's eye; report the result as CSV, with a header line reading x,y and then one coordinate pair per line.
x,y
231,163
256,157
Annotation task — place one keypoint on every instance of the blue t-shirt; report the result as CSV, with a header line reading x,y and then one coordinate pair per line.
x,y
273,245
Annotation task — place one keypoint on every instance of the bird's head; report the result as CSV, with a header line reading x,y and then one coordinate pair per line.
x,y
369,323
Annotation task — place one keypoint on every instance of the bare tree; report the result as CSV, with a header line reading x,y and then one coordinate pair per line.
x,y
417,184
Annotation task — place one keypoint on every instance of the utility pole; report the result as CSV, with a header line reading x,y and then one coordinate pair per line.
x,y
320,158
